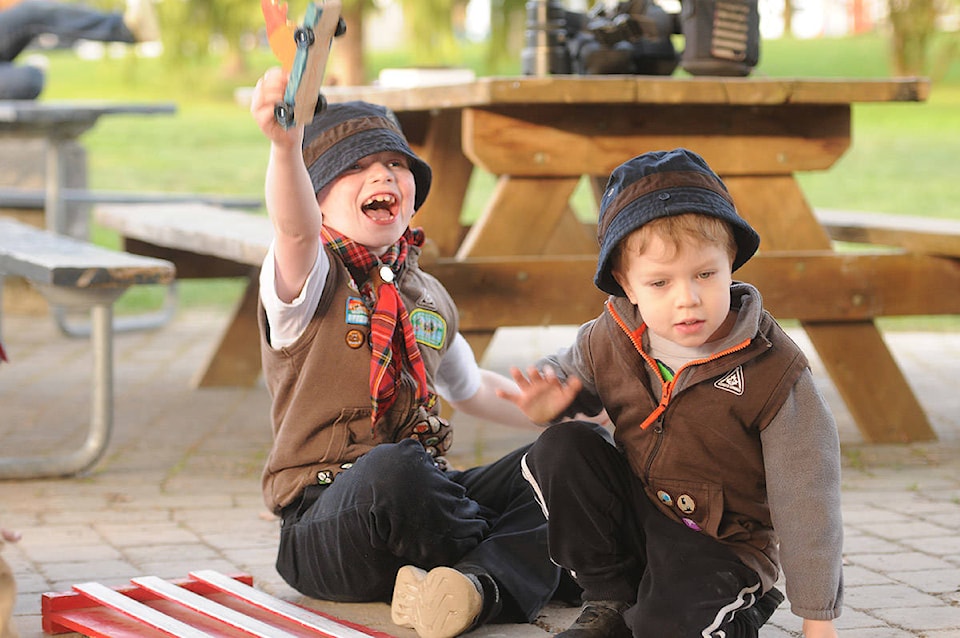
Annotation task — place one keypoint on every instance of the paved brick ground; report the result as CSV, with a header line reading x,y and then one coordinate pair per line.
x,y
179,487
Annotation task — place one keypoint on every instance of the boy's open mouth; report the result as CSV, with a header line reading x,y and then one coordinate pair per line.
x,y
380,207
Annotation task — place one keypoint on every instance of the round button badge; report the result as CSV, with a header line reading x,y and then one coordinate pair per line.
x,y
386,274
354,338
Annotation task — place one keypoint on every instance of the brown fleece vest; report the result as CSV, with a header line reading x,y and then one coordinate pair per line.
x,y
320,384
700,460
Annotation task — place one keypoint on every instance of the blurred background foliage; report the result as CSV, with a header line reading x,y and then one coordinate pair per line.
x,y
435,30
917,43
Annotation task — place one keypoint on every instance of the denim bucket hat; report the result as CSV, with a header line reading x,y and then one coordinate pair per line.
x,y
344,133
661,184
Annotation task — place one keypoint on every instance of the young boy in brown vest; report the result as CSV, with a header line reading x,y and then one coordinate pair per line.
x,y
726,464
357,342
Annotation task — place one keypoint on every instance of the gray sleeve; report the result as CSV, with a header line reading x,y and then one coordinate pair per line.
x,y
576,361
801,455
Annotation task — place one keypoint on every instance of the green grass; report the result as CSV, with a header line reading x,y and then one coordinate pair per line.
x,y
902,159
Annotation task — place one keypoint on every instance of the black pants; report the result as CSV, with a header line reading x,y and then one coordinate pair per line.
x,y
618,546
346,541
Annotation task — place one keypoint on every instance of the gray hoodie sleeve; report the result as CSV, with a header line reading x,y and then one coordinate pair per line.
x,y
801,455
576,361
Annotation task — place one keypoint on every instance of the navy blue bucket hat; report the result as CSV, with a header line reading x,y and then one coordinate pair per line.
x,y
661,184
344,133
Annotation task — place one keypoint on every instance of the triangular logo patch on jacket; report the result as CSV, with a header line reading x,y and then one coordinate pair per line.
x,y
733,382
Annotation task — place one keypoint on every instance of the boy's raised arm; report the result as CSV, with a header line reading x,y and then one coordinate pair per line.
x,y
291,202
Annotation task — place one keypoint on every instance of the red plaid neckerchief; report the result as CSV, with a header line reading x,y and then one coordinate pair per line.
x,y
392,348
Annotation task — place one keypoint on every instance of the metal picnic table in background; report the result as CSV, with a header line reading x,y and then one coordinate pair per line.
x,y
59,123
528,260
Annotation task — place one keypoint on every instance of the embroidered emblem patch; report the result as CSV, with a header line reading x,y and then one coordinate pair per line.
x,y
732,383
356,312
429,328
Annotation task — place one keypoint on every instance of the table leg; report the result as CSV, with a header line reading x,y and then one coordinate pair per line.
x,y
101,397
440,213
236,360
507,227
854,353
55,213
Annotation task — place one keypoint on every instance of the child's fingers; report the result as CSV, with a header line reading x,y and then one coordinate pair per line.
x,y
518,377
9,535
267,93
574,384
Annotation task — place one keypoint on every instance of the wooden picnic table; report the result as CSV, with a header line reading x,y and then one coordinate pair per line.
x,y
528,260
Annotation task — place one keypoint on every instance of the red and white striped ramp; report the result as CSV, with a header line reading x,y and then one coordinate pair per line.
x,y
207,604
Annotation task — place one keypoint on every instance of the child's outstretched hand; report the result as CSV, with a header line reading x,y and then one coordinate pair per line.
x,y
268,92
9,535
542,396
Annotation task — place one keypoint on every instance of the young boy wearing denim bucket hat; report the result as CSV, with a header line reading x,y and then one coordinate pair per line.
x,y
726,464
357,341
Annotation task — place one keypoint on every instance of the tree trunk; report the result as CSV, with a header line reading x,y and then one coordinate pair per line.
x,y
788,11
347,65
913,22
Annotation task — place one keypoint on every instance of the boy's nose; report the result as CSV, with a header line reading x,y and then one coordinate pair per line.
x,y
687,294
380,171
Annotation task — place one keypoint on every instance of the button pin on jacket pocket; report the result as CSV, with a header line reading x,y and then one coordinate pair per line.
x,y
692,525
686,504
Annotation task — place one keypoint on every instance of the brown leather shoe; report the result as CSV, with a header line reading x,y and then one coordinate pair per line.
x,y
599,619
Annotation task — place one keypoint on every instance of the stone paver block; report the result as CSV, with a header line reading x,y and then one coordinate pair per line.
x,y
875,597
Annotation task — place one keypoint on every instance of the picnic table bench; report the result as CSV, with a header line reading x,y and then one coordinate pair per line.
x,y
204,241
78,275
922,235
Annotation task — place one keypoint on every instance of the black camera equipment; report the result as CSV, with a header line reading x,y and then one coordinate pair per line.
x,y
545,39
722,37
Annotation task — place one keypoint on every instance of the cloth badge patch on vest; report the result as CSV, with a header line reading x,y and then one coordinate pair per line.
x,y
357,313
429,328
732,383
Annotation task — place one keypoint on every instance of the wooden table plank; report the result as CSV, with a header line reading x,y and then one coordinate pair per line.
x,y
490,91
815,286
556,140
924,235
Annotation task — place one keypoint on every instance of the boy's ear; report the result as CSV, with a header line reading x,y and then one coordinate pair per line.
x,y
622,281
